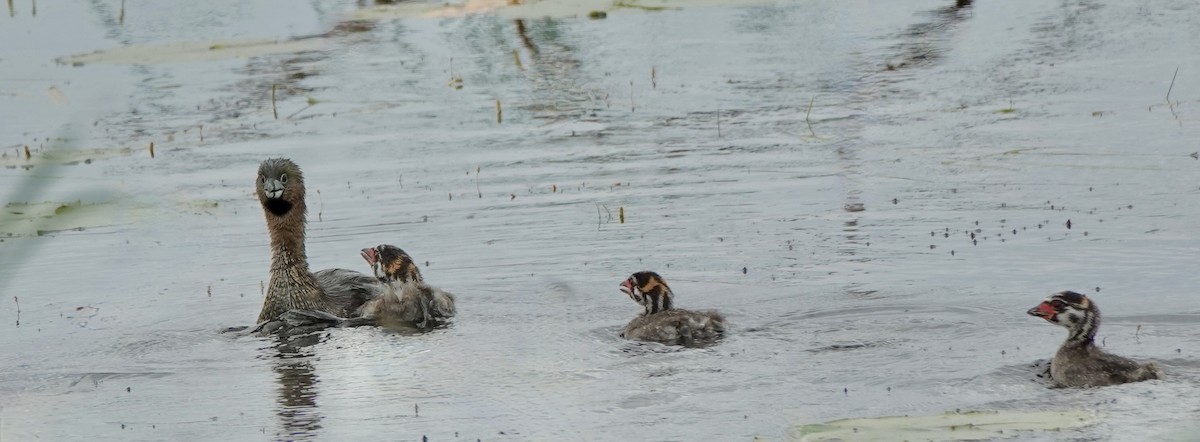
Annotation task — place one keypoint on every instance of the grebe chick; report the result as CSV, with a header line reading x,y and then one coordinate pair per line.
x,y
407,298
1079,363
280,189
661,321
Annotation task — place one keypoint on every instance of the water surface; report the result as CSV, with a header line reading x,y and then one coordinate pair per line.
x,y
941,119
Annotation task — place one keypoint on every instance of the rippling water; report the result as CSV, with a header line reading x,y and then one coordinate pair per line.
x,y
941,119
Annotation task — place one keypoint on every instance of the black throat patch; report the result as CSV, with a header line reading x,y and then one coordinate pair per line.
x,y
278,206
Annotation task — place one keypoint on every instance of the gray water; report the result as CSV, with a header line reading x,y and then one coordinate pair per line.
x,y
939,119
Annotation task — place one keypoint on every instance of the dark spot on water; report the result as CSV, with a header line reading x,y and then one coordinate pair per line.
x,y
1068,224
744,270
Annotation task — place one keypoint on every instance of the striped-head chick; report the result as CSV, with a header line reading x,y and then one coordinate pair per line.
x,y
1071,310
390,263
649,290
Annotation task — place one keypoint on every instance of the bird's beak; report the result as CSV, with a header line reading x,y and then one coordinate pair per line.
x,y
1043,310
273,189
370,255
627,287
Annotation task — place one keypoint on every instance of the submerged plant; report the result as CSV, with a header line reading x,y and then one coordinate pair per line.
x,y
25,210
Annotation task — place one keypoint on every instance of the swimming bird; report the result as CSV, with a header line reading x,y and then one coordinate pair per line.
x,y
661,321
338,292
1079,363
407,298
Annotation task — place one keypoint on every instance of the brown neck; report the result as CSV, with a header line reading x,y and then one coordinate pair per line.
x,y
292,285
287,238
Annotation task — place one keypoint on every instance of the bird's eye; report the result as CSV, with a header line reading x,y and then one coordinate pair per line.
x,y
1058,304
283,178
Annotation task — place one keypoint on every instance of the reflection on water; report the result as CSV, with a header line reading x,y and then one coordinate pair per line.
x,y
298,383
814,235
559,88
299,418
926,42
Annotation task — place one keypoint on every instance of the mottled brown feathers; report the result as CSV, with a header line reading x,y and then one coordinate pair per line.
x,y
280,189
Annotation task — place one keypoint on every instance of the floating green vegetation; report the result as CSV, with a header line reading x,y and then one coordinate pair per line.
x,y
184,51
623,4
59,156
37,219
1008,110
594,9
970,425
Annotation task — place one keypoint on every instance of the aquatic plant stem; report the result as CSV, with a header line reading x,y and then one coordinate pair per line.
x,y
274,112
1172,86
298,112
808,114
632,106
321,208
